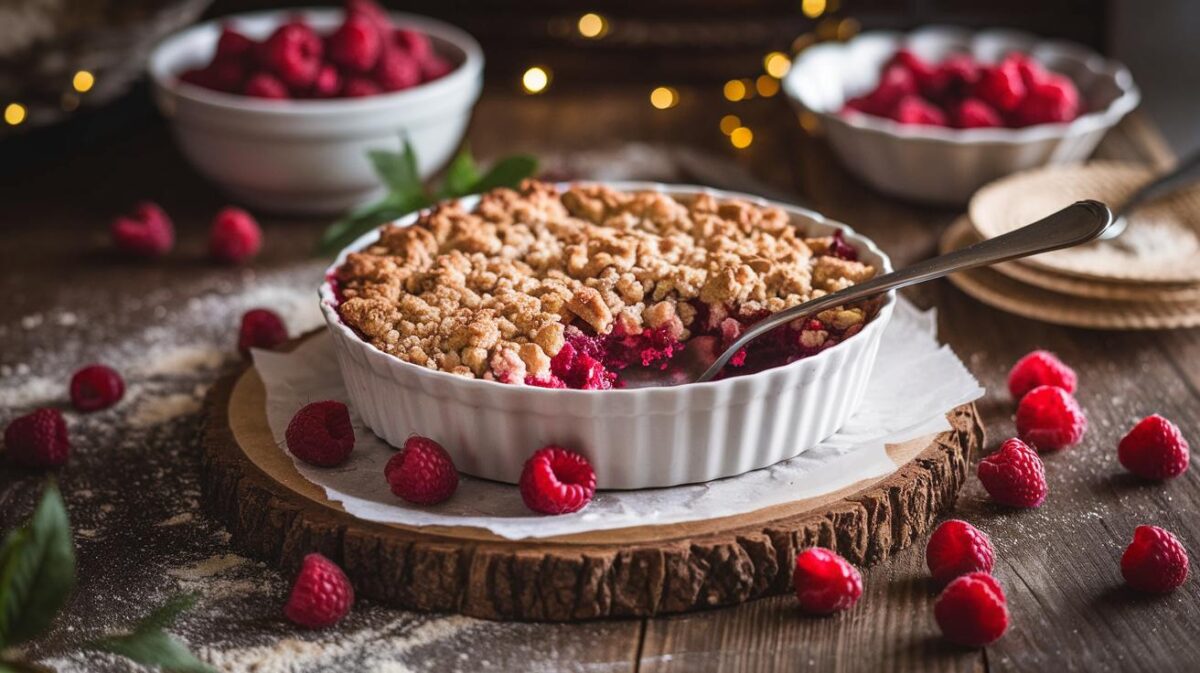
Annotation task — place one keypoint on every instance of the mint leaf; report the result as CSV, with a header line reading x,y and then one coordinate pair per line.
x,y
154,648
508,172
398,170
346,230
166,614
37,571
461,175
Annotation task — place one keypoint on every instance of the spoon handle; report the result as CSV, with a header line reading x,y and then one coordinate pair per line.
x,y
1181,174
1078,223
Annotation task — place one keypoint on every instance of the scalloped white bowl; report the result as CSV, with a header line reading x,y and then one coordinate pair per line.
x,y
944,165
644,438
310,156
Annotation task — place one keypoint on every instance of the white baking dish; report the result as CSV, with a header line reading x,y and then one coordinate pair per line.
x,y
649,437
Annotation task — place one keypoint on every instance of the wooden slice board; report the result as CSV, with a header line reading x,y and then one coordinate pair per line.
x,y
275,514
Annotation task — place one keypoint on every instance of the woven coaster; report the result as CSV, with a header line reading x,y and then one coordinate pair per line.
x,y
1161,245
1007,294
1082,287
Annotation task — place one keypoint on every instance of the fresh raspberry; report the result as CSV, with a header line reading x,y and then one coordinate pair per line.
x,y
1155,562
957,548
557,481
1040,368
261,328
1001,85
825,582
1052,101
320,434
1154,449
265,85
414,43
293,53
1014,475
918,111
1050,419
1030,70
327,84
975,114
227,74
972,610
235,236
233,45
921,70
96,387
372,11
435,67
422,472
360,87
148,232
396,70
954,78
38,439
356,44
321,595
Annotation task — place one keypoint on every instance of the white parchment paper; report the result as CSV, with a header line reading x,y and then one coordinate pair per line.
x,y
894,410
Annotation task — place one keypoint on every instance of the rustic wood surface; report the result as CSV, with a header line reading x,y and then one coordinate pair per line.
x,y
133,491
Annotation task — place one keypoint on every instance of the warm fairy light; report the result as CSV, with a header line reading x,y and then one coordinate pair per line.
x,y
812,8
803,42
741,137
848,28
83,81
735,90
777,64
729,123
535,79
592,25
664,97
14,114
766,86
809,122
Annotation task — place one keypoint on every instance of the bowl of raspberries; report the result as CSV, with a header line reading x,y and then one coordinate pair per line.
x,y
935,114
280,108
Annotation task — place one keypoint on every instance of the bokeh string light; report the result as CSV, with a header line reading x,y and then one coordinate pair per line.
x,y
592,26
729,123
664,97
741,137
535,79
14,113
83,81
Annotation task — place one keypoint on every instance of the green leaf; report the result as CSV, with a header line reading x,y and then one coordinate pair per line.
x,y
398,170
344,231
508,172
37,571
154,648
166,614
461,176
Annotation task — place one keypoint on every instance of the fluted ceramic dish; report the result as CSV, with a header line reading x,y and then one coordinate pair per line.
x,y
946,165
643,438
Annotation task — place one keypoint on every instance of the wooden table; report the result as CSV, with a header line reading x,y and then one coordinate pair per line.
x,y
132,482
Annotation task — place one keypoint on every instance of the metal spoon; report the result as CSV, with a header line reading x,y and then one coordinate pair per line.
x,y
1173,179
1075,224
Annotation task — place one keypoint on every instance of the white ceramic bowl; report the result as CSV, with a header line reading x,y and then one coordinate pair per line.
x,y
309,156
944,165
650,437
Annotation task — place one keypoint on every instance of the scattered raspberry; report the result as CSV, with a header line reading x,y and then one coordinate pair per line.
x,y
320,434
1040,368
261,328
975,114
415,44
360,87
356,44
38,439
971,610
1050,419
1051,101
321,595
422,472
1014,475
147,232
825,582
327,84
957,548
293,54
557,481
396,70
233,45
235,236
1155,562
96,387
1001,86
265,85
1154,449
918,111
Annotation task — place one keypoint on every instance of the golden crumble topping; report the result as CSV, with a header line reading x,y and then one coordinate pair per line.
x,y
490,292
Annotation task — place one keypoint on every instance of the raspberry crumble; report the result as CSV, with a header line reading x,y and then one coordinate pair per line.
x,y
567,288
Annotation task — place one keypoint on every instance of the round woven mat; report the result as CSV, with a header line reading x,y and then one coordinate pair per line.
x,y
1007,294
1162,244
